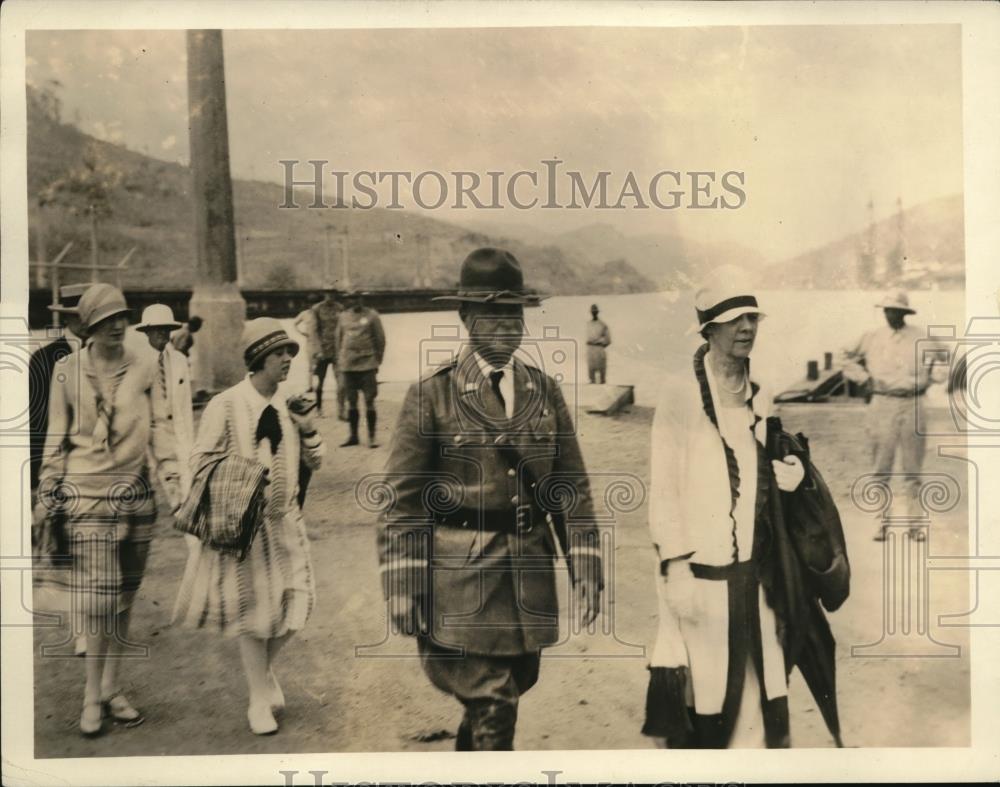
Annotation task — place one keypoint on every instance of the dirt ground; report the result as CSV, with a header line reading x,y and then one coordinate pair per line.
x,y
349,688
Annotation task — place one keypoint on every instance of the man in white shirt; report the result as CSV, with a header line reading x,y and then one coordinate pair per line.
x,y
886,357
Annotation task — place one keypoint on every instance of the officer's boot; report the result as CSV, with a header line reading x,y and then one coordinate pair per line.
x,y
492,724
370,418
353,417
463,738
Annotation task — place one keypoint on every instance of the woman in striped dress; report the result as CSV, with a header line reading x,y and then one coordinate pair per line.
x,y
267,597
104,424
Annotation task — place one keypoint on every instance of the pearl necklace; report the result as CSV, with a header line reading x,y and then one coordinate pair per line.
x,y
738,389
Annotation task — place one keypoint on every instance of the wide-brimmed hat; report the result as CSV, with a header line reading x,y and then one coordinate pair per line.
x,y
69,298
99,302
491,276
896,300
157,315
727,293
262,336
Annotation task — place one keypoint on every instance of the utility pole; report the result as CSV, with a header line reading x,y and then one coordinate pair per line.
x,y
216,297
345,256
327,270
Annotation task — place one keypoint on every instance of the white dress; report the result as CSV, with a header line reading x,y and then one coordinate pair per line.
x,y
271,592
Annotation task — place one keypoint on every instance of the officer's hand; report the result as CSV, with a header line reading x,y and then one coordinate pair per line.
x,y
403,614
788,473
589,594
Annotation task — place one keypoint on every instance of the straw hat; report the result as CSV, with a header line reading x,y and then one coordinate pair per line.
x,y
99,302
262,336
69,297
727,293
896,300
491,276
158,315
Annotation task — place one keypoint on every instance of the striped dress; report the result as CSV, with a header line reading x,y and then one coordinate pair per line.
x,y
271,592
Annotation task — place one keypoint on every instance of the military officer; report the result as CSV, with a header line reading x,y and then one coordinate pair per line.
x,y
486,475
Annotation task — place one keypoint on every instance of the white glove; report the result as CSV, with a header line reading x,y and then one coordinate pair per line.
x,y
788,473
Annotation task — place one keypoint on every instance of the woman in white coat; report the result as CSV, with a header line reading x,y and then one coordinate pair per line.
x,y
268,596
717,673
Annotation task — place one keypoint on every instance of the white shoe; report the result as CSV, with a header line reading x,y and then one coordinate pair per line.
x,y
277,697
261,720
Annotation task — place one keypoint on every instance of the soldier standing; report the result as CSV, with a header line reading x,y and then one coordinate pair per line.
x,y
598,338
360,343
327,318
467,552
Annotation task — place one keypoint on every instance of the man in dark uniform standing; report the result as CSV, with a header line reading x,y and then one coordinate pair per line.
x,y
40,368
486,475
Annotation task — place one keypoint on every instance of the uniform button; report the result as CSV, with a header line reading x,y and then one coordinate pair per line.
x,y
510,472
514,499
465,523
458,438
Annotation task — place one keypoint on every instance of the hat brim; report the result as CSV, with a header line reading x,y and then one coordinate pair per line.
x,y
897,306
99,317
173,326
726,316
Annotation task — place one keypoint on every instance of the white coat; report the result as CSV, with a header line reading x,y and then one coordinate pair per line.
x,y
690,521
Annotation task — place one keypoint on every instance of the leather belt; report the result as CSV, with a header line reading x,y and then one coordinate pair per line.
x,y
722,573
516,519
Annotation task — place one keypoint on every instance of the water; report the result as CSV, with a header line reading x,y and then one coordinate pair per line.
x,y
648,334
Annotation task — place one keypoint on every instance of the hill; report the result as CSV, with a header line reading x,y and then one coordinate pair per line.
x,y
147,205
671,261
918,248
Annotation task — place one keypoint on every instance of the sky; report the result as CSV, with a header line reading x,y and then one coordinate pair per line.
x,y
820,119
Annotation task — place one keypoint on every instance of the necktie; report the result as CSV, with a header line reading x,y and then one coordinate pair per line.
x,y
495,378
270,427
163,373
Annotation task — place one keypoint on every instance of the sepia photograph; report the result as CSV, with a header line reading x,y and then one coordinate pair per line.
x,y
435,385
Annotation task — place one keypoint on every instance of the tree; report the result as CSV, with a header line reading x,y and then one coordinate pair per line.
x,y
86,190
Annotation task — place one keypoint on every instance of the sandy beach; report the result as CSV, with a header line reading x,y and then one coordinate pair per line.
x,y
350,689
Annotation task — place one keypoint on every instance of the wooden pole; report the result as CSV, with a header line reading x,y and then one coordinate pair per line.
x,y
327,270
94,261
40,248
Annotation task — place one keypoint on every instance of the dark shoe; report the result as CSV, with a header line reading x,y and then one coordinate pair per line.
x,y
371,419
463,739
353,418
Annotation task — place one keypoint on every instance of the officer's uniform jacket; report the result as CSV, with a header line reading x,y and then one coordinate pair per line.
x,y
486,591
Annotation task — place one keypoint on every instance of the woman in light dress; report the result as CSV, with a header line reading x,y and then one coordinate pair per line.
x,y
265,598
105,424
